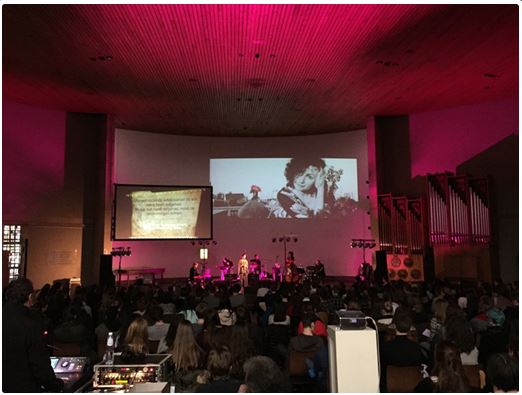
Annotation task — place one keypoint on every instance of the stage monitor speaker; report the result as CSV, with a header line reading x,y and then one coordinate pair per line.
x,y
381,267
107,278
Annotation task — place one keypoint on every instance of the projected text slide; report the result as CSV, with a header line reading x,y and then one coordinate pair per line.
x,y
165,214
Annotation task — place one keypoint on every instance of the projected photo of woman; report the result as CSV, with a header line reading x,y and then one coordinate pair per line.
x,y
308,191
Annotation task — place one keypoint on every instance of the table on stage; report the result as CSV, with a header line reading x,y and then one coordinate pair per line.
x,y
139,271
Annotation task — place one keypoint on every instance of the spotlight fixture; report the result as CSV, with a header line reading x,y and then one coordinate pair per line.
x,y
363,243
121,251
285,239
205,242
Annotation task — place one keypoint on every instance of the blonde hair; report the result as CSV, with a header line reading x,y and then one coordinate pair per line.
x,y
137,338
185,351
440,308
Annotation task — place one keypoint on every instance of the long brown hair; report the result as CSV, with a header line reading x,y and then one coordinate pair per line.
x,y
137,338
448,369
185,351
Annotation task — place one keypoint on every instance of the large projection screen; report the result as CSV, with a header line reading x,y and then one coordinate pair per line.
x,y
159,212
302,187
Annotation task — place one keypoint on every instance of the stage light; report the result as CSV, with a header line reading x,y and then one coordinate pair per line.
x,y
288,239
274,239
281,239
295,240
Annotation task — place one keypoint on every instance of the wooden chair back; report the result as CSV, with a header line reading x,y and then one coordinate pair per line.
x,y
473,375
402,378
296,363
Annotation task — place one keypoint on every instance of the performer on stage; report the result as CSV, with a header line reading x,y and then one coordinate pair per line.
x,y
319,272
291,269
256,265
365,272
277,274
242,270
193,272
226,267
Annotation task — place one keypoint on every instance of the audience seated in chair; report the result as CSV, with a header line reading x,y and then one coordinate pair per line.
x,y
401,351
217,376
447,375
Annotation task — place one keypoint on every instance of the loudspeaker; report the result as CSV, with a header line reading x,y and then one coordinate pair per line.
x,y
429,264
107,278
381,267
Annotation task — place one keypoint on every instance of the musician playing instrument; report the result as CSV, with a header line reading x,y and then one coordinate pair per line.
x,y
277,274
242,270
319,272
226,267
291,269
255,265
193,272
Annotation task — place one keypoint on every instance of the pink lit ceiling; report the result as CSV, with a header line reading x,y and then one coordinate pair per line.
x,y
256,70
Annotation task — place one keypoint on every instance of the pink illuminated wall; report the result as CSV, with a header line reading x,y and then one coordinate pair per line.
x,y
441,140
34,193
33,147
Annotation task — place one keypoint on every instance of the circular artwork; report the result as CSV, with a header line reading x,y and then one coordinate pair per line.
x,y
416,274
408,262
403,274
391,274
396,261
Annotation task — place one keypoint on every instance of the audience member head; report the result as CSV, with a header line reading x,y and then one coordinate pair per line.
x,y
262,375
496,316
156,313
200,309
308,324
448,369
440,308
402,320
236,288
502,373
18,291
219,362
460,332
137,337
279,312
242,315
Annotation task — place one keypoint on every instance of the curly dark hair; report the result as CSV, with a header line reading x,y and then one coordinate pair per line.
x,y
298,165
18,291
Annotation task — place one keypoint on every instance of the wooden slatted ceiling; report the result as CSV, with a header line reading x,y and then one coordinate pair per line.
x,y
255,70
